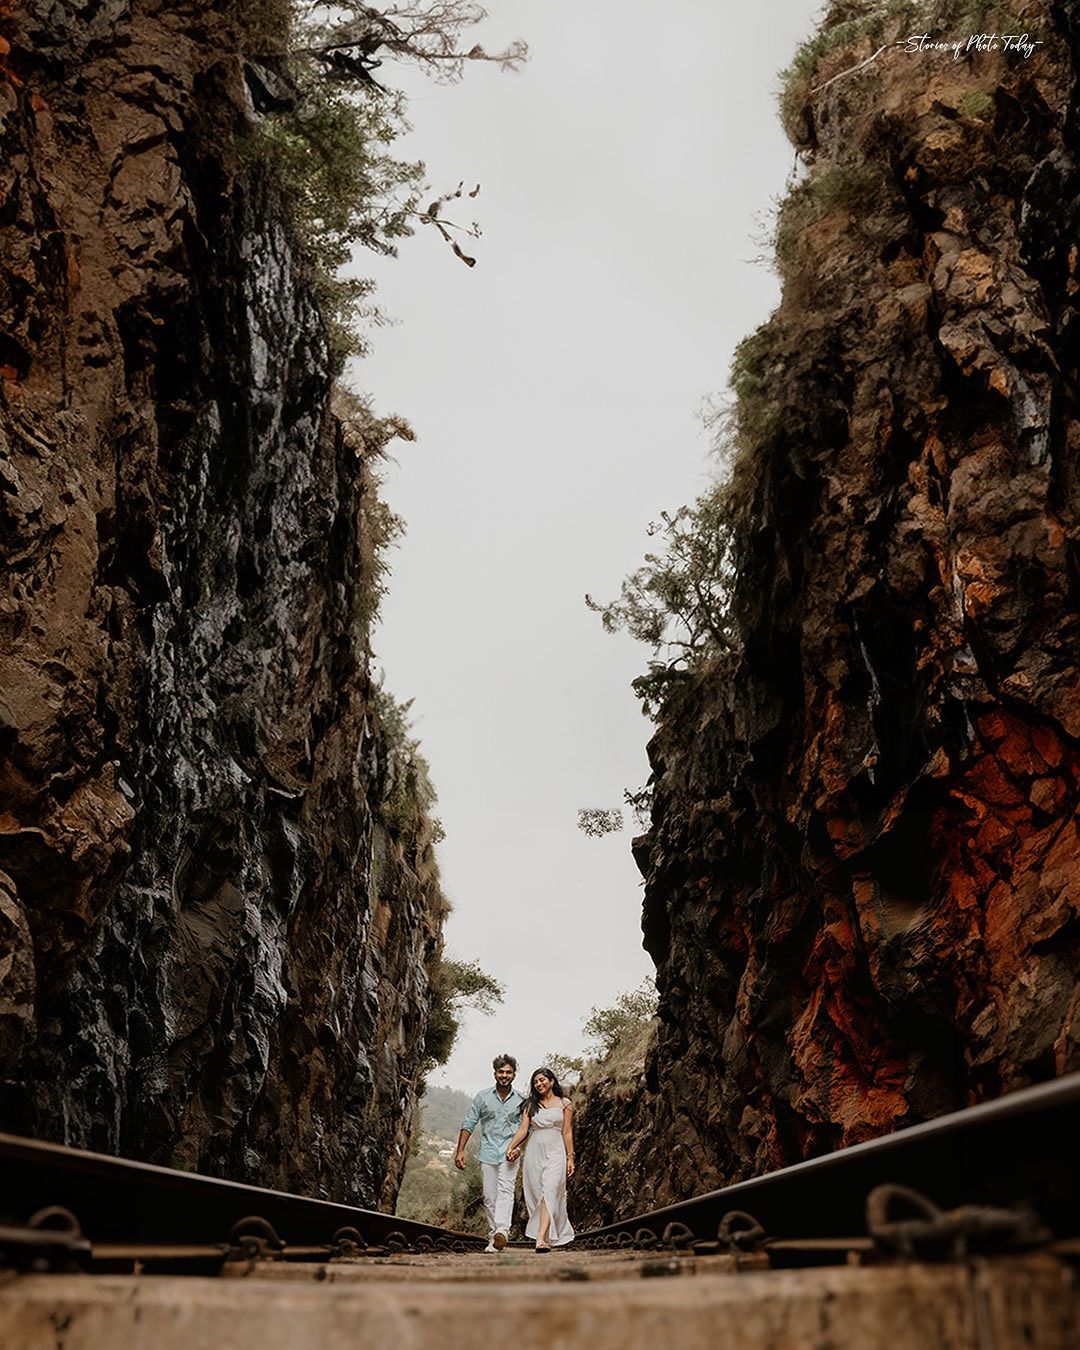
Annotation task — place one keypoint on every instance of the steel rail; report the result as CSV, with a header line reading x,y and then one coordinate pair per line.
x,y
123,1203
1019,1150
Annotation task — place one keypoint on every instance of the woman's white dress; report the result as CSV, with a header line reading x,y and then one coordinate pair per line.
x,y
544,1175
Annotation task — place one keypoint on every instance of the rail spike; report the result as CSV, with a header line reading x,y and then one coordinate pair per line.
x,y
740,1232
51,1239
677,1236
254,1238
55,1219
348,1242
929,1231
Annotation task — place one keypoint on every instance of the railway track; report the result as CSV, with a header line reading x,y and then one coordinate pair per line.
x,y
961,1234
1006,1172
999,1176
64,1208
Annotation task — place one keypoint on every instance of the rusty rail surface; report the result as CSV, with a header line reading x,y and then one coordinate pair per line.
x,y
63,1205
1004,1174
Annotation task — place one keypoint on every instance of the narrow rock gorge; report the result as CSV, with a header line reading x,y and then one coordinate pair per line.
x,y
863,868
216,938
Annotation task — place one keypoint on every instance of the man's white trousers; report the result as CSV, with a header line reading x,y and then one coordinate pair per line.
x,y
499,1194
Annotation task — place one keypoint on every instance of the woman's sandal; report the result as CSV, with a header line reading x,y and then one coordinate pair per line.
x,y
539,1249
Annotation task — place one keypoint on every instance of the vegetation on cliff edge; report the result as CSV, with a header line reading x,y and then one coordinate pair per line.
x,y
617,1037
679,601
325,127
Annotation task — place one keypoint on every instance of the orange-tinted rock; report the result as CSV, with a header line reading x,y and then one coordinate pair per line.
x,y
897,734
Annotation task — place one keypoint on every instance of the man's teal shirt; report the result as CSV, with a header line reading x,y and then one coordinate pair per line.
x,y
498,1121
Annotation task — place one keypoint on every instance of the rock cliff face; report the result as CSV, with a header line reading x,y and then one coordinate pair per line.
x,y
213,951
863,871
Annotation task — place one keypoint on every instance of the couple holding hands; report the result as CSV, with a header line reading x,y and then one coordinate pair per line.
x,y
541,1126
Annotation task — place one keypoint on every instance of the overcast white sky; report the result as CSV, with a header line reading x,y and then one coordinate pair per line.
x,y
626,173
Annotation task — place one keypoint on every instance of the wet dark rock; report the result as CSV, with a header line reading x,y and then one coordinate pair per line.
x,y
213,953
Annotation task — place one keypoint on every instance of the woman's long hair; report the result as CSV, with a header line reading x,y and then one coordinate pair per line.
x,y
532,1101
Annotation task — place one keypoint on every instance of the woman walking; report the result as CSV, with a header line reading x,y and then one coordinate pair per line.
x,y
547,1124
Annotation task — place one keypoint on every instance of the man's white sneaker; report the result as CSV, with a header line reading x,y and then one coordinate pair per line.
x,y
491,1247
499,1241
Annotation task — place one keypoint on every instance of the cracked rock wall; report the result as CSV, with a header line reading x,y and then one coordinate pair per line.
x,y
213,952
863,871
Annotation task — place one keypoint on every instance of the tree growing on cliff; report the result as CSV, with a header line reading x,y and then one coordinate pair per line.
x,y
335,50
568,1067
607,1027
616,1036
678,600
326,127
455,986
351,40
596,821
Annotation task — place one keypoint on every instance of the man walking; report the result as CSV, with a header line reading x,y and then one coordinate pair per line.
x,y
497,1110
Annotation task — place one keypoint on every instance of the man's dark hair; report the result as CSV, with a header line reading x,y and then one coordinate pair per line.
x,y
500,1060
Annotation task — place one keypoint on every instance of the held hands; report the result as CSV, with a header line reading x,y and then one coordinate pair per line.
x,y
512,1154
